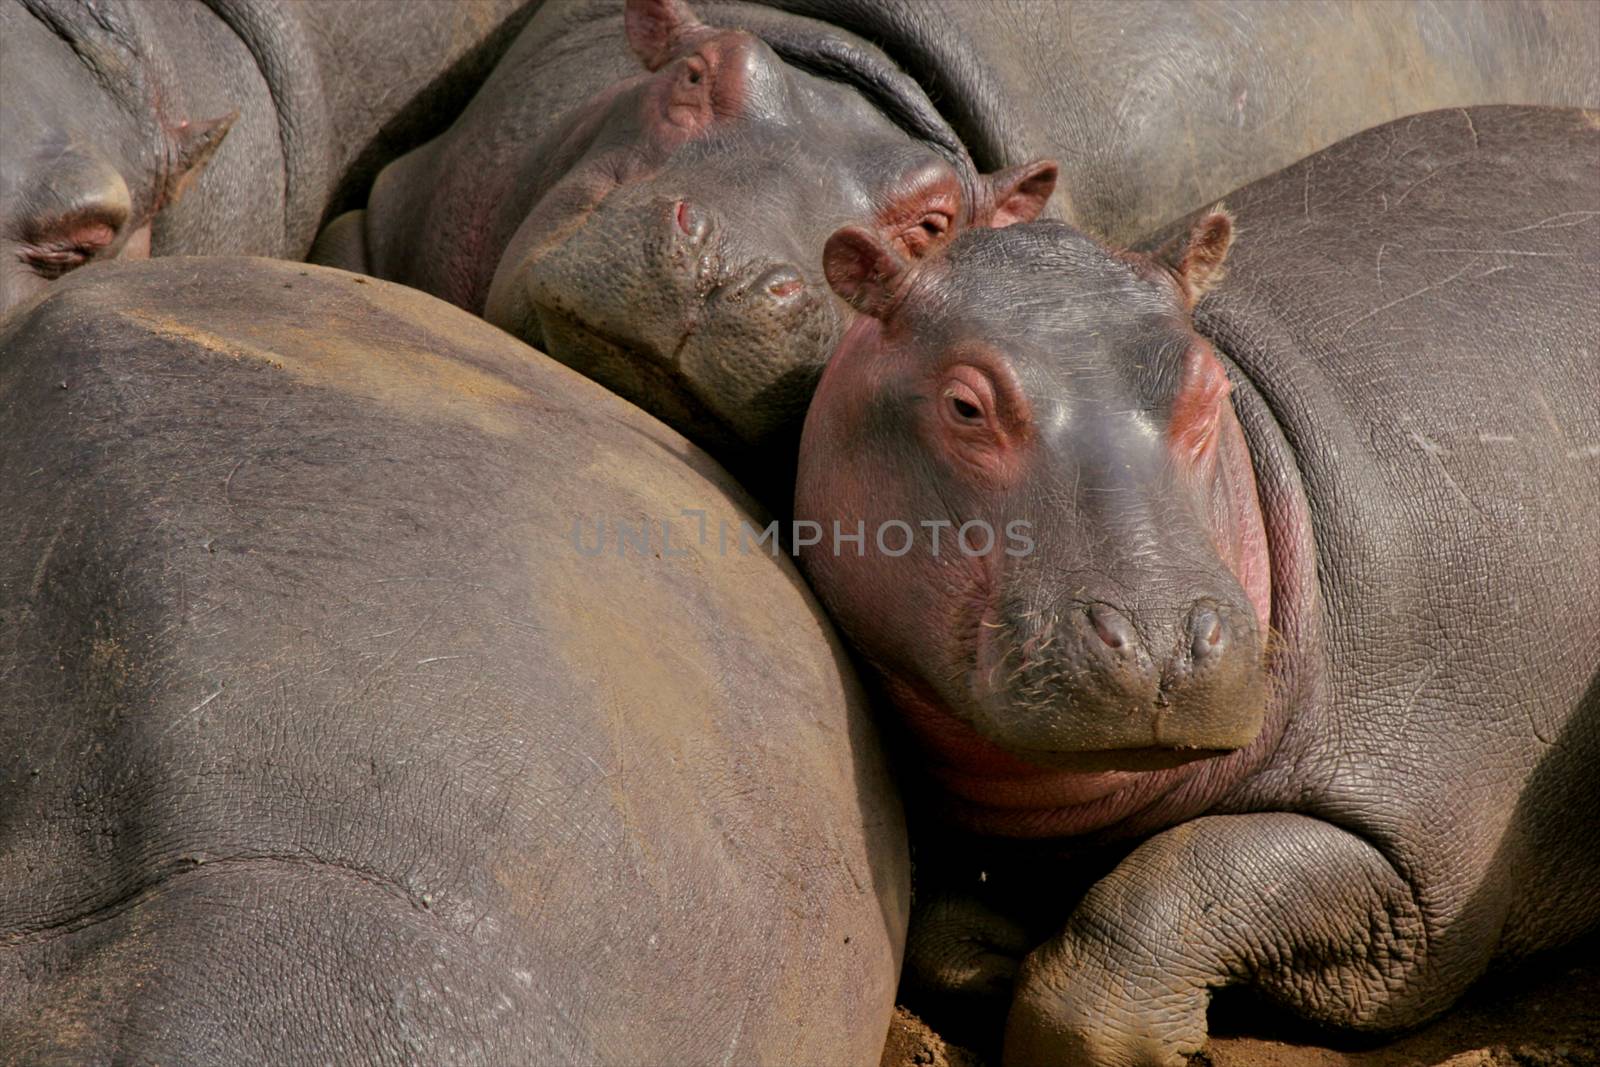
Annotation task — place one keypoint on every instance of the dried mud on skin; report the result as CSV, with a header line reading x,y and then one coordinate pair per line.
x,y
1546,1014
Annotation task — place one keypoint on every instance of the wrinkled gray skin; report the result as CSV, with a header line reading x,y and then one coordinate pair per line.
x,y
321,742
164,127
1158,107
1409,328
1151,108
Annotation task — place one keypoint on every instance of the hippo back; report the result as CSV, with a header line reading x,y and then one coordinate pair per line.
x,y
328,736
1155,107
1415,307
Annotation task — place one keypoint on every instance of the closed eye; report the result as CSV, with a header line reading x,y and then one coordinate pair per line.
x,y
51,258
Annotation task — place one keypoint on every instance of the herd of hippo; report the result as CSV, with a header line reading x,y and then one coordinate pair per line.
x,y
1188,413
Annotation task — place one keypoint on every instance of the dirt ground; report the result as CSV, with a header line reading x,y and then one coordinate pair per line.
x,y
1545,1014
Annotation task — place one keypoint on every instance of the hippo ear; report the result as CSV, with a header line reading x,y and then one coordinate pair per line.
x,y
192,144
657,28
863,268
1196,258
1019,194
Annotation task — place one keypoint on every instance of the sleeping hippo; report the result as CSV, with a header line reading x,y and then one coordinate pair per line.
x,y
646,197
110,112
643,190
325,737
1275,606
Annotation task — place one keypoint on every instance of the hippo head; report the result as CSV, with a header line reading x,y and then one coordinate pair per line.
x,y
89,158
1098,599
676,254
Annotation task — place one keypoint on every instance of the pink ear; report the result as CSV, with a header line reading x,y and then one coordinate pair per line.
x,y
1196,258
863,269
656,28
1019,194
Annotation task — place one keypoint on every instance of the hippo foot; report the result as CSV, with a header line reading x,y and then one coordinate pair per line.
x,y
1076,1003
962,960
1313,918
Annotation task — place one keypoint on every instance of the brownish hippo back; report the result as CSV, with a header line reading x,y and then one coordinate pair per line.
x,y
324,736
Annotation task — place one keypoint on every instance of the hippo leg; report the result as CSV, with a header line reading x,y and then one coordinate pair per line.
x,y
1311,915
343,244
962,959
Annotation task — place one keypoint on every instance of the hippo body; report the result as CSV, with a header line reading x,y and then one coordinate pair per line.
x,y
1302,678
1151,108
326,739
134,127
1155,108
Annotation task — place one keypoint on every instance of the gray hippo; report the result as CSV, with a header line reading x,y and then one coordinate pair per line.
x,y
645,196
111,110
663,233
1272,613
332,731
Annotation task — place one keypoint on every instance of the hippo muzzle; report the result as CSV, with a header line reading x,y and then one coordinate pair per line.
x,y
1051,684
724,343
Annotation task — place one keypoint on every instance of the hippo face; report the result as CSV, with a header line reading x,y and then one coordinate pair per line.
x,y
87,160
1099,599
677,257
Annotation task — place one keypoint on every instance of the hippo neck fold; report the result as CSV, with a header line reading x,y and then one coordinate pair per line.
x,y
940,55
1265,407
276,38
835,53
808,38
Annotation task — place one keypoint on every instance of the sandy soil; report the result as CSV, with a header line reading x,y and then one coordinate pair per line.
x,y
1545,1014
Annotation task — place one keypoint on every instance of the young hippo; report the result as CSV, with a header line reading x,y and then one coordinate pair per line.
x,y
1281,608
646,197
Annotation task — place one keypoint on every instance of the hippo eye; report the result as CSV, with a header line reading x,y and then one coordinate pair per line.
x,y
67,248
52,261
964,403
694,69
928,229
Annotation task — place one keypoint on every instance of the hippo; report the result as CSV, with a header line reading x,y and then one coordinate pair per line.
x,y
674,253
327,738
633,180
1262,650
111,111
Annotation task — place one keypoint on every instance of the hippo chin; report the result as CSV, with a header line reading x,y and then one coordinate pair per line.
x,y
647,197
1293,627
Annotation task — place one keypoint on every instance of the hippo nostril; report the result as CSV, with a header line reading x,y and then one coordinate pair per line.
x,y
691,223
1208,637
1111,627
783,282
